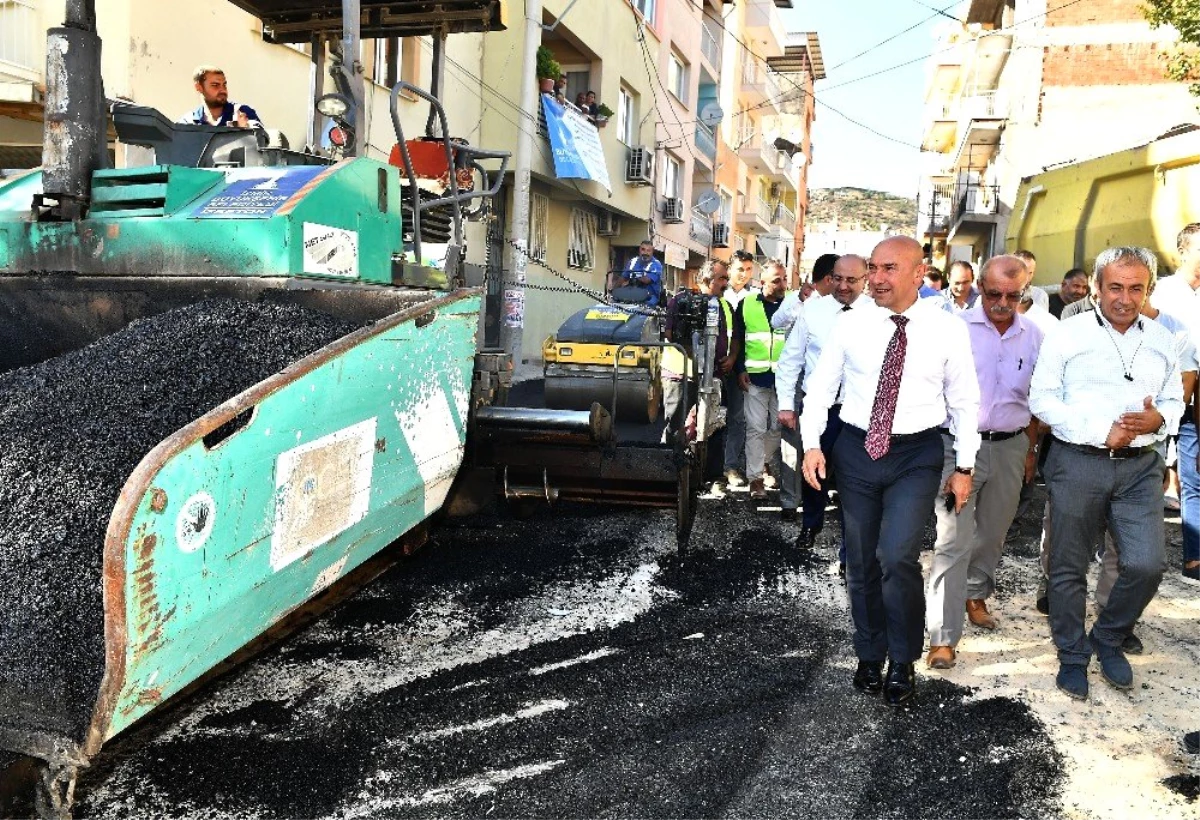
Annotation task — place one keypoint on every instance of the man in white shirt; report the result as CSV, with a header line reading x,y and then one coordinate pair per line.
x,y
1109,386
822,285
1179,295
741,285
800,355
904,369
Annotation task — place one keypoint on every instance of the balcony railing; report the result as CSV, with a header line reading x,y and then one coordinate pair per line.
x,y
785,219
986,106
710,46
756,74
706,141
20,43
976,199
700,229
763,209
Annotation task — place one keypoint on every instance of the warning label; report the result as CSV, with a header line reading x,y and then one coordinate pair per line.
x,y
331,251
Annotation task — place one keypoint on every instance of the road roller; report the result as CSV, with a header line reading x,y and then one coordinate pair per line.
x,y
595,343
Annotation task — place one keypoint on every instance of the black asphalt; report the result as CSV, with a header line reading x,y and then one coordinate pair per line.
x,y
726,694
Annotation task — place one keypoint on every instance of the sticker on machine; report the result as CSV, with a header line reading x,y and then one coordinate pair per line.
x,y
194,524
322,488
331,251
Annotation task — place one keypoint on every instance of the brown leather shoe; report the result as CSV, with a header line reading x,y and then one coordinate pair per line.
x,y
757,490
977,613
940,657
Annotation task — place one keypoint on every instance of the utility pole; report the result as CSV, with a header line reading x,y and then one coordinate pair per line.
x,y
512,314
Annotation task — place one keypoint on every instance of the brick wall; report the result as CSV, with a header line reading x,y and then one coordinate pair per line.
x,y
1106,64
1091,12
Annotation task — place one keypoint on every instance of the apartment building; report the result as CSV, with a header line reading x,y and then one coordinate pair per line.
x,y
765,144
1021,86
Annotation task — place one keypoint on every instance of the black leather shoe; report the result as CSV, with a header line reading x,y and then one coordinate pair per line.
x,y
869,676
901,686
788,514
807,539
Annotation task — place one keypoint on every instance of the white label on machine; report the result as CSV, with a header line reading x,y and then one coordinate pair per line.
x,y
321,489
331,251
432,435
195,522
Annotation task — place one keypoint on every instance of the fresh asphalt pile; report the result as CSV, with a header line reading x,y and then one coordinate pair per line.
x,y
469,682
72,429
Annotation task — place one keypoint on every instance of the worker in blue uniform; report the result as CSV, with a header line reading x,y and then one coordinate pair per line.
x,y
646,272
216,109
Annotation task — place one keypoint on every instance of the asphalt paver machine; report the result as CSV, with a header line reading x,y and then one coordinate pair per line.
x,y
223,527
236,519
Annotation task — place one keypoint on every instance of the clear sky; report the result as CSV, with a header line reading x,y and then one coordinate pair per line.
x,y
845,153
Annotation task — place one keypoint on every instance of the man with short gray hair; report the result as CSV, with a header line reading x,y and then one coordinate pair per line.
x,y
969,544
1108,384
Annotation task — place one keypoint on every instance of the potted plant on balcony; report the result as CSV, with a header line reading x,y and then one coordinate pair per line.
x,y
548,69
603,112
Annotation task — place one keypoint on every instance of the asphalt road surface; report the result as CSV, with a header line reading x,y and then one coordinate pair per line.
x,y
573,664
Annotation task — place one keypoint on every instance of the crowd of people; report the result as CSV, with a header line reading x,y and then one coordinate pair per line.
x,y
916,394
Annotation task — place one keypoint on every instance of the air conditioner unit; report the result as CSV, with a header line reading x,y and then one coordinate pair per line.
x,y
720,235
609,224
672,210
639,166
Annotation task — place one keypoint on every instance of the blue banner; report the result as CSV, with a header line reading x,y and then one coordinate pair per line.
x,y
575,142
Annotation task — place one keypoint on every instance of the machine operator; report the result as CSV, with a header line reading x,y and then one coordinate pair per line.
x,y
216,109
646,272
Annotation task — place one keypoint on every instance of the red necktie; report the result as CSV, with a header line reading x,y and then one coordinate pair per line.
x,y
879,434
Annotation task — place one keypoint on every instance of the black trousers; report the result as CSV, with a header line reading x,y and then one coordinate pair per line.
x,y
886,504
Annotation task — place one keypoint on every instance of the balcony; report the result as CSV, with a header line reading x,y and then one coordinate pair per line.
x,y
976,212
21,41
760,85
762,158
763,22
700,230
941,127
981,119
785,219
710,47
753,214
936,208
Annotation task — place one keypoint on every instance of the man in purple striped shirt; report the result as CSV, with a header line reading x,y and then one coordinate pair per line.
x,y
1004,346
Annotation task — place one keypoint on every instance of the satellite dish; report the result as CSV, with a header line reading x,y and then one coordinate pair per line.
x,y
708,203
799,158
711,115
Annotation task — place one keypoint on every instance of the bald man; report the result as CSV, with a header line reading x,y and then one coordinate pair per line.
x,y
904,368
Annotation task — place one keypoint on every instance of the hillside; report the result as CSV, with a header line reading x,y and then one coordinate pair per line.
x,y
870,208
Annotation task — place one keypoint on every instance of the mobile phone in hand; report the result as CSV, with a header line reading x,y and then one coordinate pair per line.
x,y
949,499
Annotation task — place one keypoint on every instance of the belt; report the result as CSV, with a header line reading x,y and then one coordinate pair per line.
x,y
896,436
1119,453
988,435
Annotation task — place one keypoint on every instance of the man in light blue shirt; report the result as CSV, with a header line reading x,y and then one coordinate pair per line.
x,y
646,272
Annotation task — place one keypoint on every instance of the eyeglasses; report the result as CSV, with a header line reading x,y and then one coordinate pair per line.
x,y
996,295
847,280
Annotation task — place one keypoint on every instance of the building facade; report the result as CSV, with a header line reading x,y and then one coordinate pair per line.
x,y
1025,85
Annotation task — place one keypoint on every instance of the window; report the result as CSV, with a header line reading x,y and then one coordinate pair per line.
x,y
581,243
677,77
385,62
626,116
672,173
725,214
645,8
539,226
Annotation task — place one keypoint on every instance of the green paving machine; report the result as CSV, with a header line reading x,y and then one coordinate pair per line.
x,y
234,522
240,517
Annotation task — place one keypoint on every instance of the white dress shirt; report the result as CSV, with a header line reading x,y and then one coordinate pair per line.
x,y
805,342
735,297
1040,298
1185,344
1079,386
1174,295
938,379
790,310
1041,317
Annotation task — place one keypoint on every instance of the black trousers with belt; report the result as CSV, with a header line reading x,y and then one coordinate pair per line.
x,y
886,504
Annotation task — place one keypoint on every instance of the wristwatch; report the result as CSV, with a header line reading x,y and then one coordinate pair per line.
x,y
965,470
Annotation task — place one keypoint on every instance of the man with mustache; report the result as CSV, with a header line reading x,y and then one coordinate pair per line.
x,y
1005,347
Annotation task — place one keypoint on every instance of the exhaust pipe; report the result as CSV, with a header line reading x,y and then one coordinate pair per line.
x,y
76,123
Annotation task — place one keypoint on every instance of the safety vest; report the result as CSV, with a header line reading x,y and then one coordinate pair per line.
x,y
763,344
